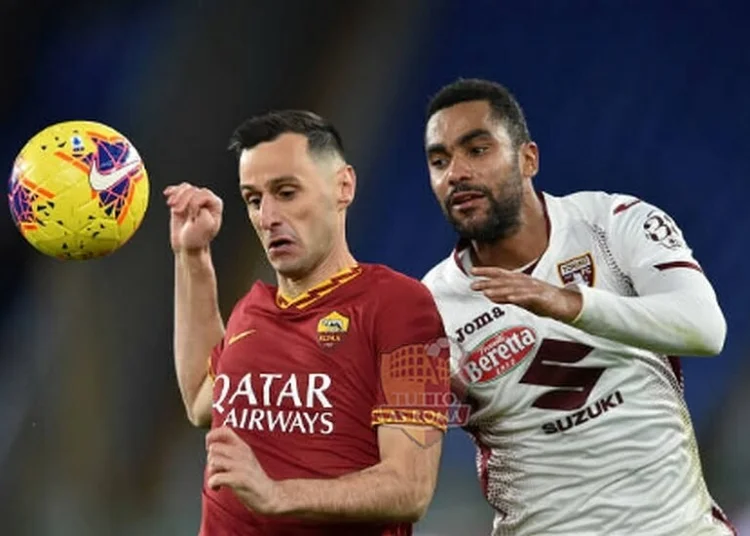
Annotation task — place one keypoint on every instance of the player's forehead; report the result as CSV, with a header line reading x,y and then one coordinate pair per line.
x,y
286,156
448,126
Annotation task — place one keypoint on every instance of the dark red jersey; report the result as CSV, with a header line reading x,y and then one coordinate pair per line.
x,y
305,382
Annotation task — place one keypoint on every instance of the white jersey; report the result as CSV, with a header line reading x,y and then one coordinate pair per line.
x,y
577,434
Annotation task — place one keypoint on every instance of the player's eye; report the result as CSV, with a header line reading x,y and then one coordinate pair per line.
x,y
286,193
438,162
478,150
253,201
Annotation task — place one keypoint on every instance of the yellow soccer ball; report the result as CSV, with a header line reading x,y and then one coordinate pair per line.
x,y
78,190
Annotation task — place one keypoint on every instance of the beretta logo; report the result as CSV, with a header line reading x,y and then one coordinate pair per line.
x,y
331,329
497,354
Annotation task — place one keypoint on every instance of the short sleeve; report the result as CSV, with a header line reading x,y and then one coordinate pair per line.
x,y
413,359
213,359
647,243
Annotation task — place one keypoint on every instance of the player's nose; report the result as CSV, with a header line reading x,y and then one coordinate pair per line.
x,y
269,214
458,171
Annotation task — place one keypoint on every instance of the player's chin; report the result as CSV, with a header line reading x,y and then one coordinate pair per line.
x,y
286,253
469,224
287,264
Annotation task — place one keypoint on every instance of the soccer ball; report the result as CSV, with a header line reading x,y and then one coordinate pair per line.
x,y
78,190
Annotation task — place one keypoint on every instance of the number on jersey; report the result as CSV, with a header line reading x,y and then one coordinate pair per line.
x,y
574,383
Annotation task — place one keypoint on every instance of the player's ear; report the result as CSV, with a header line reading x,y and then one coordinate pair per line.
x,y
528,156
346,185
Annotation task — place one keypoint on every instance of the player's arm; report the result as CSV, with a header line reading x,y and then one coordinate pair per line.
x,y
399,488
674,309
677,313
198,326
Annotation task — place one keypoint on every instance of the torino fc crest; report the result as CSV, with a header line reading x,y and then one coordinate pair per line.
x,y
577,270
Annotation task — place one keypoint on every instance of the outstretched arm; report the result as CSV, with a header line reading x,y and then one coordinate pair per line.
x,y
195,219
673,308
398,488
678,314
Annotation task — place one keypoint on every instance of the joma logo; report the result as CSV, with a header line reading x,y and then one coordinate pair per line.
x,y
478,323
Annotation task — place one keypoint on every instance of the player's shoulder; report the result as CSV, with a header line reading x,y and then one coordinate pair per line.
x,y
592,206
438,274
393,279
261,295
392,286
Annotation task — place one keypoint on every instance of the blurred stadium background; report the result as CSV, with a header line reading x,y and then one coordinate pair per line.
x,y
643,97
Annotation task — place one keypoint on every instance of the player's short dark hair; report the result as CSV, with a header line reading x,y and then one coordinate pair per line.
x,y
504,105
322,136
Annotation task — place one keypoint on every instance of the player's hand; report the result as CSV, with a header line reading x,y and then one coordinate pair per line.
x,y
534,295
232,463
195,216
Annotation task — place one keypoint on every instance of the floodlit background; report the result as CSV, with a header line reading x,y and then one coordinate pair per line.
x,y
642,97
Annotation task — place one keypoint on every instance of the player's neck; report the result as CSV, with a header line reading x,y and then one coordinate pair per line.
x,y
337,260
525,246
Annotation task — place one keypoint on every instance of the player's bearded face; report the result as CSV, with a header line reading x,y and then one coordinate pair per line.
x,y
475,171
496,218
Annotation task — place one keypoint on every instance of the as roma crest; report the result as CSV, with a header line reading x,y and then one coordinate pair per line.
x,y
332,329
577,270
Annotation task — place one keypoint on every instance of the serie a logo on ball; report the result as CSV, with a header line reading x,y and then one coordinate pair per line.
x,y
78,190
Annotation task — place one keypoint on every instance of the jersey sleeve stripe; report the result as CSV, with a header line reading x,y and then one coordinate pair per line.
x,y
719,516
678,264
410,417
210,368
622,207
